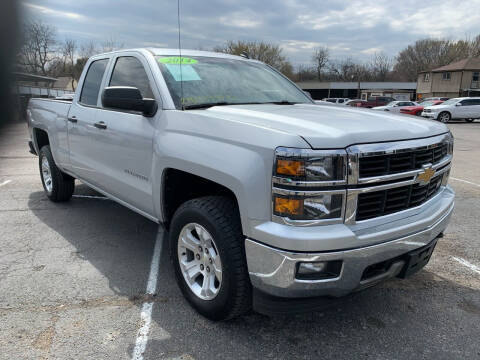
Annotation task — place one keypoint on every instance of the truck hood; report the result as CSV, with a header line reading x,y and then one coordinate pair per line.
x,y
329,127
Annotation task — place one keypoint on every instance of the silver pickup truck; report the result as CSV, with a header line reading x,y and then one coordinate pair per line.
x,y
270,200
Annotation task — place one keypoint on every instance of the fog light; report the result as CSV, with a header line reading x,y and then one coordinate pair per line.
x,y
318,270
311,268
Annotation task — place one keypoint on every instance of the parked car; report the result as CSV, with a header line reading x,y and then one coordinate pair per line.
x,y
395,106
377,101
467,108
417,109
355,102
338,101
267,198
433,98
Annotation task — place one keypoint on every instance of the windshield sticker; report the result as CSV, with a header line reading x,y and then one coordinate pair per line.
x,y
188,73
176,60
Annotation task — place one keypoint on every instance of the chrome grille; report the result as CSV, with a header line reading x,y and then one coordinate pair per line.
x,y
387,178
389,201
396,163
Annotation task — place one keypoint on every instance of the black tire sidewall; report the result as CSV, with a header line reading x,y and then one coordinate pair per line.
x,y
62,184
217,308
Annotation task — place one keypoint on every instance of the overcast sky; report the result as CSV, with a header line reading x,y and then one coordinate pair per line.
x,y
349,28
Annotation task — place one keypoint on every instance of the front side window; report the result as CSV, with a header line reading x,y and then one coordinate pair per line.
x,y
446,76
92,82
129,71
208,80
450,102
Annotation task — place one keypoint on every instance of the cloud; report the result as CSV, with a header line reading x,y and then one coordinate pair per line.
x,y
240,20
52,12
353,28
371,51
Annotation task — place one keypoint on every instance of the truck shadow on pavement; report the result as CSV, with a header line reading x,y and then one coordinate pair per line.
x,y
425,316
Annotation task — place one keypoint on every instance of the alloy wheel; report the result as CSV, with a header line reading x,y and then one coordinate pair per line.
x,y
444,117
47,174
199,261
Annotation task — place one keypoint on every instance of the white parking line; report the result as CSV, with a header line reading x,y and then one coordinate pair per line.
x,y
464,262
146,313
465,181
5,182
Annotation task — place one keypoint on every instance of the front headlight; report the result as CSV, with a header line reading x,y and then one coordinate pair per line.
x,y
309,185
450,142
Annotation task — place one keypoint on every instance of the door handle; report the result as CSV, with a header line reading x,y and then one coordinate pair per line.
x,y
100,125
72,119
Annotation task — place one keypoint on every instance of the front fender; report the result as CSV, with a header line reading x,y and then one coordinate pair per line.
x,y
238,157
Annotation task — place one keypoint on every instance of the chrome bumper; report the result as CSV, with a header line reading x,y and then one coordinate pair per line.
x,y
272,271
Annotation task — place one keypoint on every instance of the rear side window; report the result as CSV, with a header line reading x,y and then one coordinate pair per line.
x,y
471,102
92,82
129,71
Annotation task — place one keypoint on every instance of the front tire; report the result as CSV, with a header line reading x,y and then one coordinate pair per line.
x,y
208,254
58,186
444,117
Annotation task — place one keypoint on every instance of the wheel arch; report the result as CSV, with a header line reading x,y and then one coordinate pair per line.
x,y
40,138
179,186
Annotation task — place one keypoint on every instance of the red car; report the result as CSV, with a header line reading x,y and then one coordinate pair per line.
x,y
417,110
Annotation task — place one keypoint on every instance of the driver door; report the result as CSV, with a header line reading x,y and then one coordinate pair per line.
x,y
125,142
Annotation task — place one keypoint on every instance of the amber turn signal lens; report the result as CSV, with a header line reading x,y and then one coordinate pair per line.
x,y
286,206
290,167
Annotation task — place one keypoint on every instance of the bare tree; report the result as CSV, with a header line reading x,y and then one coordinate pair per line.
x,y
320,58
39,47
475,47
111,44
305,73
427,54
270,54
88,49
380,66
69,49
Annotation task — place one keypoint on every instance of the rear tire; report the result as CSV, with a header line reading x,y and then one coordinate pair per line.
x,y
444,117
58,186
218,223
418,113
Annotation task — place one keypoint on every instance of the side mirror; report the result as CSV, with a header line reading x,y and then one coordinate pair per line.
x,y
128,98
458,104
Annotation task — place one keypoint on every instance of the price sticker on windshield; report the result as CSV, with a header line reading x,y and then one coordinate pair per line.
x,y
177,60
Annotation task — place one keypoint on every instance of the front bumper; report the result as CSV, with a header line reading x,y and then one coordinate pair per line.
x,y
429,115
273,271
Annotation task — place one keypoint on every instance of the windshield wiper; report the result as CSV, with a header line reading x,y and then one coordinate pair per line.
x,y
283,102
223,103
205,105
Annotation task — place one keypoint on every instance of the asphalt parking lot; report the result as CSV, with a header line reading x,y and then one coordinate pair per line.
x,y
76,283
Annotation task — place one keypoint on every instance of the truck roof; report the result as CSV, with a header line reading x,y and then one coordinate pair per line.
x,y
176,52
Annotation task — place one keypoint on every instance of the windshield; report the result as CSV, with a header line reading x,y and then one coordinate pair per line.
x,y
392,103
450,102
208,80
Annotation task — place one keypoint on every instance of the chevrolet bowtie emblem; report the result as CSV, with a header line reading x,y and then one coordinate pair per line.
x,y
424,177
